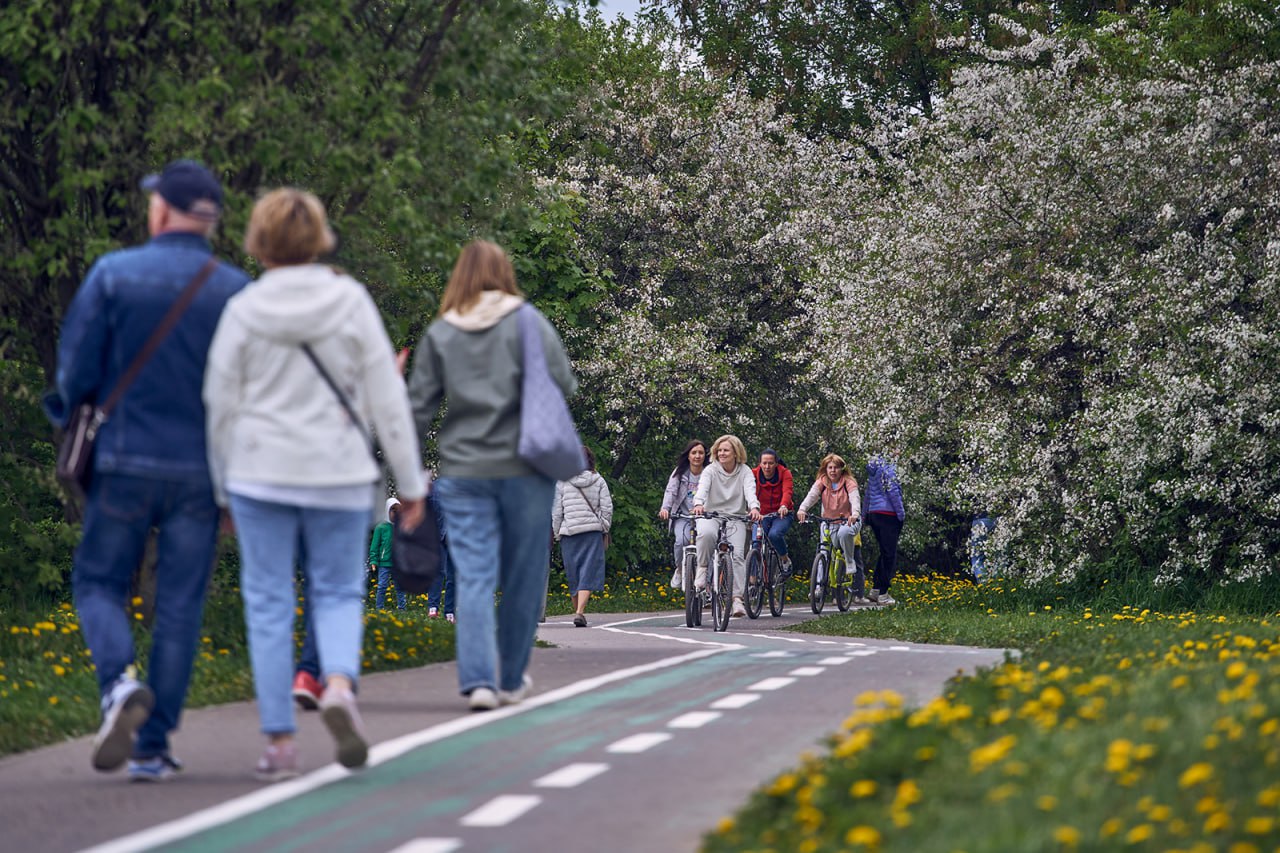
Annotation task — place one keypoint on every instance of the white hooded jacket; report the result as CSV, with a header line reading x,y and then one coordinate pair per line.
x,y
583,504
271,417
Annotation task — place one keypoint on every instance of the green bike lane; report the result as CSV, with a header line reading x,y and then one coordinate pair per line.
x,y
648,757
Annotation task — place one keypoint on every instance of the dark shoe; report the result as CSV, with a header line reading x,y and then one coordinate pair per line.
x,y
580,620
157,768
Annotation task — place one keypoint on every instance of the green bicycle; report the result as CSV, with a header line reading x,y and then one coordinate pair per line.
x,y
831,570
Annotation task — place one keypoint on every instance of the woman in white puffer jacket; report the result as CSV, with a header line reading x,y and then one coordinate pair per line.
x,y
580,520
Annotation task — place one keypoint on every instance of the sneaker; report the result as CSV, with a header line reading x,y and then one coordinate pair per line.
x,y
338,710
738,608
157,768
482,699
307,691
580,620
859,600
449,617
785,565
432,612
676,579
885,599
278,762
874,595
515,697
125,708
700,580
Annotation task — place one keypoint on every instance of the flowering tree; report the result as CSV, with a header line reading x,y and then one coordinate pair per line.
x,y
1074,269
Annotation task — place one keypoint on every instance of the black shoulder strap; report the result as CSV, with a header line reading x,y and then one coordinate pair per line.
x,y
342,398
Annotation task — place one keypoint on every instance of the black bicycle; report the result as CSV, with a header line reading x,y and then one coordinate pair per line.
x,y
694,600
764,574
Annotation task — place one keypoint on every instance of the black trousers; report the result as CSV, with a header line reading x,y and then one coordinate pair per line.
x,y
887,529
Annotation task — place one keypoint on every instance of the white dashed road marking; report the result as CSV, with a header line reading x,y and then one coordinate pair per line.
x,y
570,776
694,719
638,743
808,670
833,661
500,811
735,700
430,845
778,654
861,653
772,684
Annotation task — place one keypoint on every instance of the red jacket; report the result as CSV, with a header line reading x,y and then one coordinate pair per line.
x,y
775,494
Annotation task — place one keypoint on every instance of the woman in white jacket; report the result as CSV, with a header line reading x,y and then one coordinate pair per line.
x,y
726,486
580,519
292,463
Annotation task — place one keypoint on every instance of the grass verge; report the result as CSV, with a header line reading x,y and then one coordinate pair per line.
x,y
1119,730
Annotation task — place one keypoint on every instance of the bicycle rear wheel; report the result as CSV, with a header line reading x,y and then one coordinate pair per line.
x,y
777,585
818,583
722,592
756,580
842,584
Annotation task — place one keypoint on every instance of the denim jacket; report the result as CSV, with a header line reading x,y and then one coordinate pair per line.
x,y
158,427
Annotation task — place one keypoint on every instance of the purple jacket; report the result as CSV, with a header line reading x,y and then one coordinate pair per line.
x,y
882,492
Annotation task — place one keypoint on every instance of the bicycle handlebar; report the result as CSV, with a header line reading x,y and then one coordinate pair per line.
x,y
829,520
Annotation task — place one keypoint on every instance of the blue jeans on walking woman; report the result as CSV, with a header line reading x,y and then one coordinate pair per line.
x,y
499,533
333,541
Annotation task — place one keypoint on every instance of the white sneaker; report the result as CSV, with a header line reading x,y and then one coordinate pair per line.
x,y
738,608
885,599
482,699
676,579
515,697
700,580
125,708
874,596
342,719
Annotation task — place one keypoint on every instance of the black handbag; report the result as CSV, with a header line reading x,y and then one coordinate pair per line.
x,y
415,554
74,466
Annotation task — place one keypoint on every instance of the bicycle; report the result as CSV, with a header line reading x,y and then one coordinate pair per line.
x,y
721,570
693,599
831,556
764,573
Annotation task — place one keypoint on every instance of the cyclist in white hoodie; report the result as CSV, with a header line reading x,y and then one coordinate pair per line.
x,y
727,485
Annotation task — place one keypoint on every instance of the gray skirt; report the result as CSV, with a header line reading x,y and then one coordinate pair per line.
x,y
584,561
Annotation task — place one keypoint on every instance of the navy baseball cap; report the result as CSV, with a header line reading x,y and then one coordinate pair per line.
x,y
189,187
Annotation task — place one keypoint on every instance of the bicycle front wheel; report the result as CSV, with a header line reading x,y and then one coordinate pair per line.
x,y
777,586
692,600
722,594
842,584
818,583
756,580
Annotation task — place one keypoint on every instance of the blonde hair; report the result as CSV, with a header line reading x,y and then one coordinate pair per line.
x,y
481,266
828,459
288,226
739,452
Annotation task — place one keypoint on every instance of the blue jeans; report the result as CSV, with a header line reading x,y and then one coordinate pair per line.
x,y
333,542
384,581
776,529
499,535
119,513
444,582
309,653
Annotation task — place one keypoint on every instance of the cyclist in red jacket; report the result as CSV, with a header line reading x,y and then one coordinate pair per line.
x,y
774,490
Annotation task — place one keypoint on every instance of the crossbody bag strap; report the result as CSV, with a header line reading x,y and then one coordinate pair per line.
x,y
342,398
590,505
161,331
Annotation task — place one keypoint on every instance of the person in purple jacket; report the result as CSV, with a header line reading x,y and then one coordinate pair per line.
x,y
882,508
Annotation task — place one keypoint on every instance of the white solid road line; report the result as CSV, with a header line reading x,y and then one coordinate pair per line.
x,y
500,811
834,661
694,719
734,701
772,683
808,670
638,743
430,845
167,833
570,776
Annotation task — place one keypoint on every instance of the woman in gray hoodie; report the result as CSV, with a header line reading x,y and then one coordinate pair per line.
x,y
727,486
580,520
496,508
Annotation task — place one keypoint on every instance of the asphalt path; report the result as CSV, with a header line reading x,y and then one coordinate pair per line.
x,y
640,736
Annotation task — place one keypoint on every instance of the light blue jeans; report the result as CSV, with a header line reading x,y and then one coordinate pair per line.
x,y
499,535
333,547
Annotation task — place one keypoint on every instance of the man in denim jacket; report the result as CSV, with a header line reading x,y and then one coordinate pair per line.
x,y
150,465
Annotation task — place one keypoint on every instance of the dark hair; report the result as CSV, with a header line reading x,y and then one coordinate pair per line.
x,y
682,461
591,458
769,451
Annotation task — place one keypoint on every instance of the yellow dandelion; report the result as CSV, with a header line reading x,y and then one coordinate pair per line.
x,y
1068,836
1195,774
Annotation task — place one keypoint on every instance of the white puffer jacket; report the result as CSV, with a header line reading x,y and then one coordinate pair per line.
x,y
583,504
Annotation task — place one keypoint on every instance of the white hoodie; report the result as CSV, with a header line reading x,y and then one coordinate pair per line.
x,y
273,420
